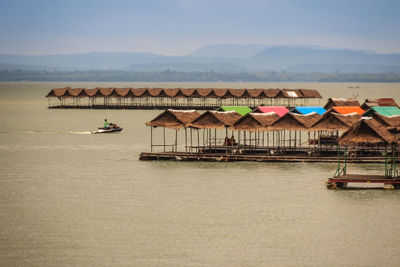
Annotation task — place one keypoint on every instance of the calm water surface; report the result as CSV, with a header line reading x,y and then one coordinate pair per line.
x,y
71,198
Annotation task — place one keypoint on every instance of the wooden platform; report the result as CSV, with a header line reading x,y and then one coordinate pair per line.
x,y
343,181
182,156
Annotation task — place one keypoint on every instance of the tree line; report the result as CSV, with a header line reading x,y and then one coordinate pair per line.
x,y
180,76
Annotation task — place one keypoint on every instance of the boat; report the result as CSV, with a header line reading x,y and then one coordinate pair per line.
x,y
112,128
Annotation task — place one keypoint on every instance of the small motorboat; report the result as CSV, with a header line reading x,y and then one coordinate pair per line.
x,y
112,128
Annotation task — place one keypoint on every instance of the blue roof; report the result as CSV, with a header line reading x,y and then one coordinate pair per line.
x,y
308,110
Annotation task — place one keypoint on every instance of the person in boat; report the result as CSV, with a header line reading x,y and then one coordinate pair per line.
x,y
106,124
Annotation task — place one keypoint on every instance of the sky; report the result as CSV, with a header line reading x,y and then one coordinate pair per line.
x,y
178,27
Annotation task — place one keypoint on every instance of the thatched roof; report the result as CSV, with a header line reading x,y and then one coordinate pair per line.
x,y
57,92
179,92
204,92
310,93
339,102
174,119
215,120
235,93
366,131
291,93
270,93
378,102
332,121
387,121
255,121
252,93
293,121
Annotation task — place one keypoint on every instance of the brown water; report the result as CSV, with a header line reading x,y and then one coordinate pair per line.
x,y
71,198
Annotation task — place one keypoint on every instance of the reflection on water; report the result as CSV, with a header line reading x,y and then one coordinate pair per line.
x,y
68,198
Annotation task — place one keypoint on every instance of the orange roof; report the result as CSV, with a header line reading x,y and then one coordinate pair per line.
x,y
349,109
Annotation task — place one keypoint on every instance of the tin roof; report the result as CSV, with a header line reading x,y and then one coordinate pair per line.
x,y
309,109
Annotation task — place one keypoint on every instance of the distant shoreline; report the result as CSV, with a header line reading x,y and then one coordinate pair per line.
x,y
179,76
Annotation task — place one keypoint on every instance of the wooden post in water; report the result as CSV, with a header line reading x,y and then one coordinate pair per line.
x,y
151,138
176,140
164,137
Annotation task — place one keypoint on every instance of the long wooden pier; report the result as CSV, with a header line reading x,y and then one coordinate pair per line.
x,y
222,157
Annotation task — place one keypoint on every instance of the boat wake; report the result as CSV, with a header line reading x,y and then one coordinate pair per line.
x,y
41,132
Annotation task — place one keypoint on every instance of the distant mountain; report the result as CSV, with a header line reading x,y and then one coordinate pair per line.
x,y
228,51
84,61
306,59
278,58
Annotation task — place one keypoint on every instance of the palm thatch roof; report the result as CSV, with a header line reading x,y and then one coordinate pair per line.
x,y
339,102
179,92
252,93
310,93
174,119
378,102
255,121
332,121
215,120
293,121
387,121
366,131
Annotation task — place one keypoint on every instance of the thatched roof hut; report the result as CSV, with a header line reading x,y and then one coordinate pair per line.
x,y
235,93
310,93
332,121
367,131
339,102
255,121
174,119
252,93
387,121
290,93
57,92
215,120
293,121
270,93
378,102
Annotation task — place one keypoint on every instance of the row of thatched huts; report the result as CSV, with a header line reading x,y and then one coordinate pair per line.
x,y
177,97
290,132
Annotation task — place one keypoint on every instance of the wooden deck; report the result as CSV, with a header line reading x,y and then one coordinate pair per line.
x,y
218,157
343,181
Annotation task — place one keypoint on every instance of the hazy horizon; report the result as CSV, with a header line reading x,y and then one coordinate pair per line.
x,y
179,27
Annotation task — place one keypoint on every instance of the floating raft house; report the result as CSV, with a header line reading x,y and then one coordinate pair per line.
x,y
177,98
367,131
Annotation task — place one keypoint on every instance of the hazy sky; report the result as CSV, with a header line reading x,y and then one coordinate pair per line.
x,y
178,27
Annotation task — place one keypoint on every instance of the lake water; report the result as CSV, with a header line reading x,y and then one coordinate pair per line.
x,y
71,198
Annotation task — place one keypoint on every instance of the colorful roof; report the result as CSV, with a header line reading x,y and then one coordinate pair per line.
x,y
348,110
280,110
385,111
307,110
242,110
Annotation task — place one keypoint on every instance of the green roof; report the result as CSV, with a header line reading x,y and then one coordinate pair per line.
x,y
242,110
385,111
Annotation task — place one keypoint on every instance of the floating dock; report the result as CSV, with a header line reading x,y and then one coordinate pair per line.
x,y
342,182
218,157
